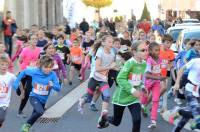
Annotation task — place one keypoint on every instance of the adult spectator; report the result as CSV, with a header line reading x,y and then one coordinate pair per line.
x,y
9,27
67,28
84,26
157,27
145,26
111,26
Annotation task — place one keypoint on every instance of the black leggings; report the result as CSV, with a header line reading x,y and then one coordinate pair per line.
x,y
27,85
135,110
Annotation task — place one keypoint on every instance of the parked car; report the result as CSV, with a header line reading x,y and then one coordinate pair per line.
x,y
191,33
175,31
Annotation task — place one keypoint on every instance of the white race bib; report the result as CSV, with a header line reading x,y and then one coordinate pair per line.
x,y
156,69
41,89
62,55
55,66
135,79
164,64
3,90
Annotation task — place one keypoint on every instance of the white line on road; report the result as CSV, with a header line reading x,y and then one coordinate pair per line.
x,y
64,104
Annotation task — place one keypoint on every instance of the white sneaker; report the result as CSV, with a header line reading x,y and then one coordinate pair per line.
x,y
80,105
178,101
152,124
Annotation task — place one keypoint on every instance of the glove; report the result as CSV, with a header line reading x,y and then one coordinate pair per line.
x,y
18,91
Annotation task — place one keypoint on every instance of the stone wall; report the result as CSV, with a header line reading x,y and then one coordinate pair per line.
x,y
40,12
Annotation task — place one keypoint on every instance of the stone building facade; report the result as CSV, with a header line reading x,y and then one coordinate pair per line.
x,y
40,12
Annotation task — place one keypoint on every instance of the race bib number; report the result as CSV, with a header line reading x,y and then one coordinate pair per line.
x,y
164,64
135,79
62,55
41,89
3,90
156,69
55,66
76,59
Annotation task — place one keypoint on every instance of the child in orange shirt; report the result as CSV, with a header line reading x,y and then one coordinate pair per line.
x,y
167,56
75,59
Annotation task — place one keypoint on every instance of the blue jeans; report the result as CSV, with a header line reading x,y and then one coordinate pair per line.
x,y
38,110
8,44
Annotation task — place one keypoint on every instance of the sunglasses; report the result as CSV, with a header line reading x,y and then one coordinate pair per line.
x,y
142,50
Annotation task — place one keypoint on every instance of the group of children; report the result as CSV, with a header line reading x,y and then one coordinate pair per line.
x,y
140,70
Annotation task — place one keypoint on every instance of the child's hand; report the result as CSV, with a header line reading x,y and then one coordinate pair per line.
x,y
65,81
162,78
136,94
112,65
50,83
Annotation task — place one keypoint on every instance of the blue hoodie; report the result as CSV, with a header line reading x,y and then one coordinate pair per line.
x,y
40,83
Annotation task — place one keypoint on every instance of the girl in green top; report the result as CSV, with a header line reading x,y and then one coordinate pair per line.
x,y
130,82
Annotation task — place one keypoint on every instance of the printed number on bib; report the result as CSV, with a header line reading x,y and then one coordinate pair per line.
x,y
76,59
41,89
55,66
156,69
135,79
3,90
62,55
164,64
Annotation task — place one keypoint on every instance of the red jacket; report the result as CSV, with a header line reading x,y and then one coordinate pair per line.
x,y
7,26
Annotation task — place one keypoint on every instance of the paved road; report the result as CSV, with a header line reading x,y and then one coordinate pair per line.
x,y
72,121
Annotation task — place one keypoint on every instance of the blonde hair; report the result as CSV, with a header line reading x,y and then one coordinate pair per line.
x,y
46,61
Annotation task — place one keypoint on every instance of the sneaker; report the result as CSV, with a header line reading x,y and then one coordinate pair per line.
x,y
193,126
152,124
103,121
80,105
178,101
144,111
21,115
173,117
25,127
70,83
93,107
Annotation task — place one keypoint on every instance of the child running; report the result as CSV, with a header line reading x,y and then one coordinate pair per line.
x,y
104,61
127,93
191,93
76,59
27,58
152,81
6,81
43,81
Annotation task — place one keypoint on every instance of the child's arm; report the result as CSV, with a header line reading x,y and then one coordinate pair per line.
x,y
21,75
56,86
149,75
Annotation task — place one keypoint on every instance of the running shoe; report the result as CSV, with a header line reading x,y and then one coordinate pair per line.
x,y
152,124
21,115
144,111
103,121
25,127
93,107
80,105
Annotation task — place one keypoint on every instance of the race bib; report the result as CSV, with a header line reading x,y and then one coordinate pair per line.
x,y
76,59
135,79
32,64
3,90
156,69
55,66
41,89
62,55
164,64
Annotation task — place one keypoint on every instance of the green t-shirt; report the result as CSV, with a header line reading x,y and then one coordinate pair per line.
x,y
131,75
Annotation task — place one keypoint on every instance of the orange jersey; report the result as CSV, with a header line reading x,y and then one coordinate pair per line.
x,y
76,55
166,56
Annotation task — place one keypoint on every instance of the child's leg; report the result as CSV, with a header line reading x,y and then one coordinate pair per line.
x,y
94,100
27,90
71,73
155,100
181,124
3,111
164,94
38,110
135,110
104,88
117,115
